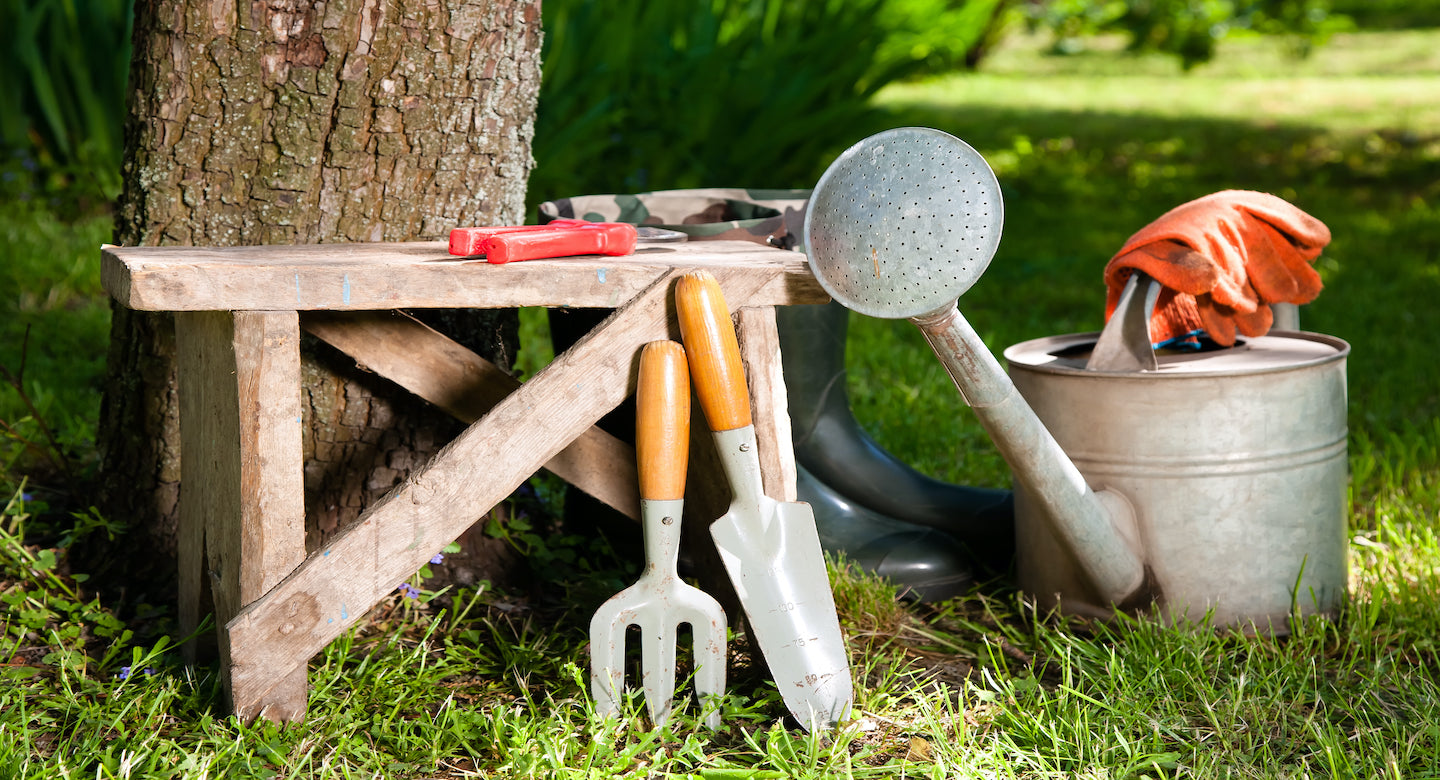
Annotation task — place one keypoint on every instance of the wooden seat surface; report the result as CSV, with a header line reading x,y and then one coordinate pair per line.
x,y
418,275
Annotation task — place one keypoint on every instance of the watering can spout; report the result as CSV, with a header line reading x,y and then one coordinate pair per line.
x,y
1099,528
900,226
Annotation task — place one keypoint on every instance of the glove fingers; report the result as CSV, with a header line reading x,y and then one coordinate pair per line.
x,y
1278,270
1255,324
1301,230
1218,319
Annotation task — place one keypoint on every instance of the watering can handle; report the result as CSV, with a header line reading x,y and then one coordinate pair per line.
x,y
1125,343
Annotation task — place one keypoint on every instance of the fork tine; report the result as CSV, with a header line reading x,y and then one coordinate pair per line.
x,y
707,629
607,661
709,655
658,656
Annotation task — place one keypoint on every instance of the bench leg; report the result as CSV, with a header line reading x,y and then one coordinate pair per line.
x,y
760,353
242,507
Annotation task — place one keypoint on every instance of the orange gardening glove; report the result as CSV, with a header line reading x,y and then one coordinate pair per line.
x,y
1222,259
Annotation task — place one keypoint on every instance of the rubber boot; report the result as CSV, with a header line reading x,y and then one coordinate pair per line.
x,y
836,451
923,564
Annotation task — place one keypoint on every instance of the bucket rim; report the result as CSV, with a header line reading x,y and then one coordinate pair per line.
x,y
1037,355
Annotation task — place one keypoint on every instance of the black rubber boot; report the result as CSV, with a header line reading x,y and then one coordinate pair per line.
x,y
836,451
923,564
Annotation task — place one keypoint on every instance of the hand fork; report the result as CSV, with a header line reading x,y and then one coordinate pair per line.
x,y
660,601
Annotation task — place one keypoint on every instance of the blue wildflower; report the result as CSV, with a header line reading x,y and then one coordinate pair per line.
x,y
123,674
438,559
409,591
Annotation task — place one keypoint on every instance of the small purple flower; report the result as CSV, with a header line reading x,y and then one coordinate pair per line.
x,y
409,591
27,497
438,559
123,674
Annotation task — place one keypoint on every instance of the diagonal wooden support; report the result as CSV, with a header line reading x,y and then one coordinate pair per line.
x,y
278,633
466,386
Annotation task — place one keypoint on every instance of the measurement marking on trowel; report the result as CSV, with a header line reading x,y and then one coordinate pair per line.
x,y
801,641
814,680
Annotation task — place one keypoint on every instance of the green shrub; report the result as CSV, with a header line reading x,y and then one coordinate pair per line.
x,y
1389,14
1188,29
642,95
63,67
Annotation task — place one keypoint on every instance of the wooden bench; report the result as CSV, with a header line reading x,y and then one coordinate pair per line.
x,y
238,322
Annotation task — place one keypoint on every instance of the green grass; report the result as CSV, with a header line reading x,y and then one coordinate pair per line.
x,y
54,326
1088,149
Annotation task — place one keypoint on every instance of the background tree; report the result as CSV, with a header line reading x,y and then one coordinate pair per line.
x,y
298,122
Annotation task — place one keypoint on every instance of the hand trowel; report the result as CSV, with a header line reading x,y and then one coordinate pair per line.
x,y
770,548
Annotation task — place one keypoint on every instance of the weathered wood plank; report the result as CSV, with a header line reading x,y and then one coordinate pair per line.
x,y
760,355
241,495
333,588
466,386
422,275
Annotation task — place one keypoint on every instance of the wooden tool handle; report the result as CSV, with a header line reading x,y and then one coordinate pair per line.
x,y
662,421
713,350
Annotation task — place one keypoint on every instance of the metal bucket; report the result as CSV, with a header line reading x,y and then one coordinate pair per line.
x,y
1234,461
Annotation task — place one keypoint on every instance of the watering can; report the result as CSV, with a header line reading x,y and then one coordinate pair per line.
x,y
1207,485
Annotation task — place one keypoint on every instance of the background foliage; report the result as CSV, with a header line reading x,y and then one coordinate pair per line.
x,y
1188,29
641,95
63,67
1389,14
637,95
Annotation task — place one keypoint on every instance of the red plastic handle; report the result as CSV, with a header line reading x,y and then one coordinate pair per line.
x,y
601,238
471,240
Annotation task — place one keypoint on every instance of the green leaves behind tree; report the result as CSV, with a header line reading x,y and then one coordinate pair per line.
x,y
1189,29
63,67
1389,14
641,95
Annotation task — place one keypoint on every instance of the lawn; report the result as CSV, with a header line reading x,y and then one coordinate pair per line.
x,y
1088,148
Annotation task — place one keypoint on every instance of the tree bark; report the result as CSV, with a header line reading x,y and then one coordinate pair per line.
x,y
306,121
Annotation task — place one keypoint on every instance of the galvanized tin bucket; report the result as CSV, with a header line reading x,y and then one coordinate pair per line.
x,y
1233,460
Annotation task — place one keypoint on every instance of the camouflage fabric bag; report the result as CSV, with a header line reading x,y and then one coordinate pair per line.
x,y
773,217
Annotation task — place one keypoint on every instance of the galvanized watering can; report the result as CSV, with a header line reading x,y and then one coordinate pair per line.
x,y
1208,484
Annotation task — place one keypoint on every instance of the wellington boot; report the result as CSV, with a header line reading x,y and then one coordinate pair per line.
x,y
837,452
922,563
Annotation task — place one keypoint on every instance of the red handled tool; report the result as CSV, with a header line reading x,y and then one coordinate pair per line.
x,y
559,238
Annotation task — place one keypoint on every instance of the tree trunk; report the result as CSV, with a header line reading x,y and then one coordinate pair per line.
x,y
305,121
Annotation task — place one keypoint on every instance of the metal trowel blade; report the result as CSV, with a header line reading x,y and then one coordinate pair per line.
x,y
778,571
